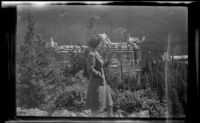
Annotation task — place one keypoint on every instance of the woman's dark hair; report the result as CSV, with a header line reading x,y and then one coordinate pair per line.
x,y
94,41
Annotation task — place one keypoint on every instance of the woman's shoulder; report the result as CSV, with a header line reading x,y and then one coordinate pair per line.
x,y
93,53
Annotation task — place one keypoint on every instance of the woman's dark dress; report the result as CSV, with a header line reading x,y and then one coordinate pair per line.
x,y
99,93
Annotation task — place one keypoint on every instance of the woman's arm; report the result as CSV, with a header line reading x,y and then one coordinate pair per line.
x,y
91,63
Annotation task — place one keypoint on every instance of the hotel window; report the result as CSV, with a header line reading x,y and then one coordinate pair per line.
x,y
123,57
135,55
138,55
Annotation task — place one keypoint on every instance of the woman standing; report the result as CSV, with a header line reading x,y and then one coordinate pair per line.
x,y
99,93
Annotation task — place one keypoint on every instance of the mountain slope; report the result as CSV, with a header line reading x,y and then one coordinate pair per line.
x,y
68,24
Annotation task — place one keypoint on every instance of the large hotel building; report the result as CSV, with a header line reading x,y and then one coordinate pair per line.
x,y
126,56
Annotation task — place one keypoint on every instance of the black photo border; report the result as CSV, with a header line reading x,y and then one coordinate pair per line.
x,y
9,24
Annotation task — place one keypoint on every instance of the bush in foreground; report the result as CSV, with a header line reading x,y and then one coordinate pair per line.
x,y
139,101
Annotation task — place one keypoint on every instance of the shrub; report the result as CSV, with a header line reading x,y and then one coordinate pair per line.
x,y
139,100
178,78
74,96
127,101
155,108
154,75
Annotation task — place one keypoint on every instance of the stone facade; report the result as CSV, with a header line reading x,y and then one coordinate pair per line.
x,y
126,56
123,53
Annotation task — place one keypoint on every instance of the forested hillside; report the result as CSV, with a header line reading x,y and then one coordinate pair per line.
x,y
69,24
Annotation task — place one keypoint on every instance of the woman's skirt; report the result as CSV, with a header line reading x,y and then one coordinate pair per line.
x,y
99,96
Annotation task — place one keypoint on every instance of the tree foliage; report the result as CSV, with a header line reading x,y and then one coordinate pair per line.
x,y
38,75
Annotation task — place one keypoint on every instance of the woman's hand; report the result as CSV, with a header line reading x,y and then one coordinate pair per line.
x,y
103,77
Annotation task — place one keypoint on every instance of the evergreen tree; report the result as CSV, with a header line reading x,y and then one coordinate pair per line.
x,y
27,90
39,77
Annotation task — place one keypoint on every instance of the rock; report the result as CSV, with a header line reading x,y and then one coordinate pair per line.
x,y
121,113
86,113
83,115
142,114
72,114
31,112
64,113
133,115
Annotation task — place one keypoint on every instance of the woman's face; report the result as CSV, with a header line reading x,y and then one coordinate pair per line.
x,y
99,46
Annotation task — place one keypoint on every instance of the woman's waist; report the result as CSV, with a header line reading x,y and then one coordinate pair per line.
x,y
93,80
92,77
